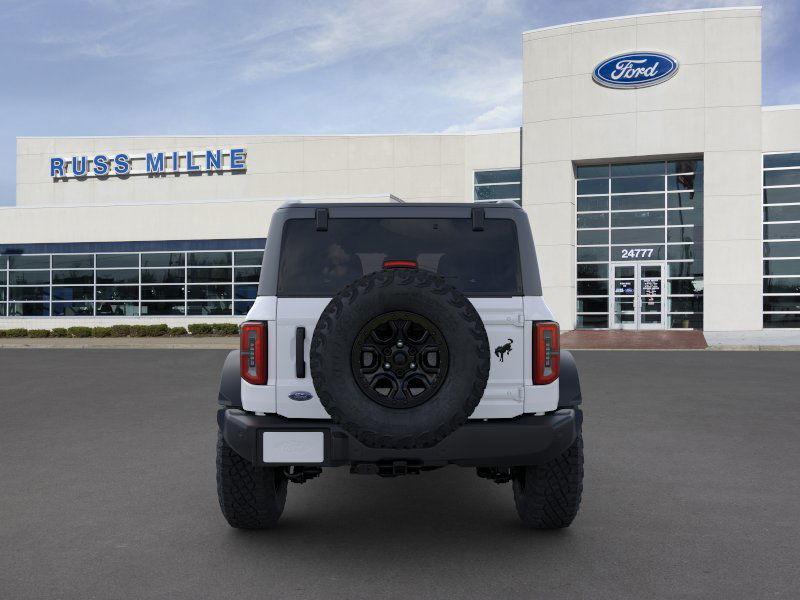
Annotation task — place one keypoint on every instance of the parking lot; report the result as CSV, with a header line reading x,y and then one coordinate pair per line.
x,y
107,479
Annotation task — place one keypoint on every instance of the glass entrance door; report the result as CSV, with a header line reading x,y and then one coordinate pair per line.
x,y
637,295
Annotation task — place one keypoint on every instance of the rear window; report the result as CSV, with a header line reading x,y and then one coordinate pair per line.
x,y
320,263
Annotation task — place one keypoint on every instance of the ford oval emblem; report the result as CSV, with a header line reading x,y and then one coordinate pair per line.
x,y
635,70
301,396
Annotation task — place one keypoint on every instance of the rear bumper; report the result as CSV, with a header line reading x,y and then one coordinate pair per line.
x,y
524,440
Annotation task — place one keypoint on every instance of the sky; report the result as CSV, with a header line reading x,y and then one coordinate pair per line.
x,y
174,67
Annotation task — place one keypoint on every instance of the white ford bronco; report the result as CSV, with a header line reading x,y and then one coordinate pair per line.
x,y
394,339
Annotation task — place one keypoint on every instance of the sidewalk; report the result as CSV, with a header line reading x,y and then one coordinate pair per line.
x,y
184,343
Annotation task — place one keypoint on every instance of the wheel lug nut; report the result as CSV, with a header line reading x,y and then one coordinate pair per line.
x,y
386,366
413,366
400,344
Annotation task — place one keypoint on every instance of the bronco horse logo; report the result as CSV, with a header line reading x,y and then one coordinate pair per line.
x,y
501,351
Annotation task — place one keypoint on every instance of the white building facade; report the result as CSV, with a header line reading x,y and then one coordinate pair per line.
x,y
662,198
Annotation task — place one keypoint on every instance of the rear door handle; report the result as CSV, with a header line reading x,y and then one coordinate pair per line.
x,y
299,352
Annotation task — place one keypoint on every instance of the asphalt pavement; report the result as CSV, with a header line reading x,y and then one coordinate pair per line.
x,y
107,491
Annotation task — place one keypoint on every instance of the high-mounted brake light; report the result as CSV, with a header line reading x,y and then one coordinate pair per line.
x,y
253,352
546,352
399,264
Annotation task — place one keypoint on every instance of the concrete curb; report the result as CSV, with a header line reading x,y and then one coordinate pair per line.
x,y
167,343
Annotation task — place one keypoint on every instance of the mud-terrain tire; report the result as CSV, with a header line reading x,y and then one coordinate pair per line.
x,y
548,496
250,497
427,297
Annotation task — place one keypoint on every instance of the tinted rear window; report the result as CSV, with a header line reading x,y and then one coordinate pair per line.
x,y
320,263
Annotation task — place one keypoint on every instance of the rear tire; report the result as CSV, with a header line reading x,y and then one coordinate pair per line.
x,y
250,497
548,496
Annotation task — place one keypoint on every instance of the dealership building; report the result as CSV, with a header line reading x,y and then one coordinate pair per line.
x,y
661,193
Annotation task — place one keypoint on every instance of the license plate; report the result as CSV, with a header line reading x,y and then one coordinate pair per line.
x,y
293,447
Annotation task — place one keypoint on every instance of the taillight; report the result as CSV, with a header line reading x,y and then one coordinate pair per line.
x,y
253,352
546,352
399,264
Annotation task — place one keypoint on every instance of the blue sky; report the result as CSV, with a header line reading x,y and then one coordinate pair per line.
x,y
151,67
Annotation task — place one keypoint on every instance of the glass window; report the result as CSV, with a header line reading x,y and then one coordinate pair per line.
x,y
245,292
317,263
28,309
592,271
685,305
651,168
684,182
592,288
782,195
510,191
782,303
249,258
637,218
592,186
788,177
684,166
782,231
782,213
162,292
588,171
22,261
118,276
782,267
117,309
684,286
636,184
73,277
694,321
73,309
209,259
637,236
684,200
83,292
680,252
117,260
209,308
595,203
680,234
498,176
790,159
590,254
163,276
785,320
683,217
241,307
73,261
592,321
680,269
209,275
2,278
246,273
3,262
117,292
637,202
782,249
162,309
593,236
593,220
3,308
163,259
209,292
593,305
638,252
29,277
29,293
782,285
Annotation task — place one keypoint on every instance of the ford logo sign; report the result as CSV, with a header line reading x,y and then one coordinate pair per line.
x,y
635,70
300,396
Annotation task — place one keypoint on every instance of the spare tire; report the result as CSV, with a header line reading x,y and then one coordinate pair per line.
x,y
400,358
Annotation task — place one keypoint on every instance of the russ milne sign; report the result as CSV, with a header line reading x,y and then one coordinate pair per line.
x,y
151,163
635,70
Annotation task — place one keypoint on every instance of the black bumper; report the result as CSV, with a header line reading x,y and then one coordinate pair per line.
x,y
524,440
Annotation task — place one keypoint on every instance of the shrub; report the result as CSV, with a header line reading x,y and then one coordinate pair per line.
x,y
101,332
177,331
138,331
2,333
201,329
120,330
38,333
17,332
80,332
225,329
59,332
157,330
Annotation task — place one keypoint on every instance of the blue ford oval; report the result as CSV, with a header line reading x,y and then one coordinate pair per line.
x,y
635,70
